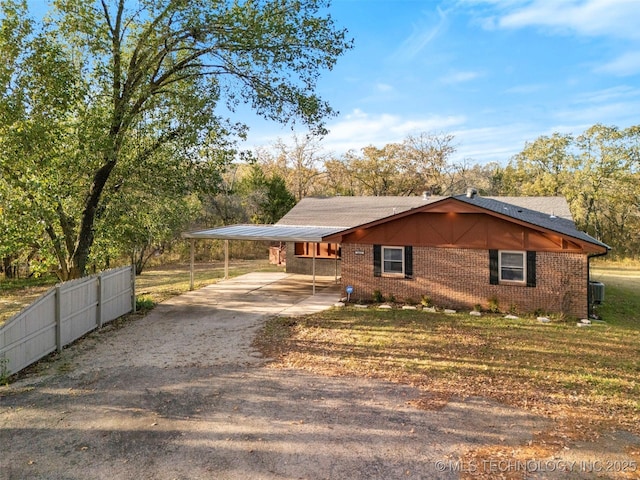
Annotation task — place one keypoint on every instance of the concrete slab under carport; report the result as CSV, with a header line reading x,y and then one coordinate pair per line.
x,y
275,284
270,293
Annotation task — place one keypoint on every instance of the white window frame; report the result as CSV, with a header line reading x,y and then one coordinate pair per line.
x,y
524,266
383,261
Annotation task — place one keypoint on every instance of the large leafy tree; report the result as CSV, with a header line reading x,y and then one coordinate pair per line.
x,y
266,198
160,67
297,162
544,167
248,194
426,163
38,121
606,189
598,172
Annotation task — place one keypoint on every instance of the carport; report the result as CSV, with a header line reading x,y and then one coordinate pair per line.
x,y
271,233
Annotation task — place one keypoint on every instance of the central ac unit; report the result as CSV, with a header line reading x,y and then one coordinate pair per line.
x,y
596,292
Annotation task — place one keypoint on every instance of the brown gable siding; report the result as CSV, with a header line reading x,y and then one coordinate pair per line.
x,y
457,230
459,278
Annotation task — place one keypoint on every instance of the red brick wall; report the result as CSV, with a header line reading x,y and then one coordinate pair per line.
x,y
459,278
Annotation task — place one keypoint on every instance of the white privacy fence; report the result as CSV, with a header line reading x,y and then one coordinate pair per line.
x,y
64,314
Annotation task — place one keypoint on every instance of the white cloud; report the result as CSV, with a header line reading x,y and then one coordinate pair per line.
x,y
621,114
384,87
526,89
625,65
617,93
481,145
496,143
459,77
424,31
617,18
359,129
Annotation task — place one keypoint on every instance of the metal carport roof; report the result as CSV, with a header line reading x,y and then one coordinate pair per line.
x,y
272,233
275,233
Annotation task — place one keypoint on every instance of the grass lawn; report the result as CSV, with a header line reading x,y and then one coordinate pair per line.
x,y
586,379
15,294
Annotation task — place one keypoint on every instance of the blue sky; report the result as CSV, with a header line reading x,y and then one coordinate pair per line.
x,y
493,73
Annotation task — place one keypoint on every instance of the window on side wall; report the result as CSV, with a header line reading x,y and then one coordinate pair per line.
x,y
512,266
322,250
393,260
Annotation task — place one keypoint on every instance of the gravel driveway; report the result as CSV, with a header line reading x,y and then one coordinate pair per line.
x,y
181,394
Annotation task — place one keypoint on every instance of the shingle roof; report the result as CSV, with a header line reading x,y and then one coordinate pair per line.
x,y
557,206
353,211
349,212
551,213
315,218
548,220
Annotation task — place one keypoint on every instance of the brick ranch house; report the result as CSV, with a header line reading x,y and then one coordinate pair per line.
x,y
524,253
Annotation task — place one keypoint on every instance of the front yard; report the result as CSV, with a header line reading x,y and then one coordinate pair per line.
x,y
587,379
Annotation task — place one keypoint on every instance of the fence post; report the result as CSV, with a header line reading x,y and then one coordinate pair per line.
x,y
99,306
226,259
58,320
133,288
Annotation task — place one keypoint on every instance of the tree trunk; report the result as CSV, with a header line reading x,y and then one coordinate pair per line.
x,y
86,233
7,267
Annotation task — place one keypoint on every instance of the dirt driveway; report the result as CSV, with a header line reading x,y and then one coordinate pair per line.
x,y
181,394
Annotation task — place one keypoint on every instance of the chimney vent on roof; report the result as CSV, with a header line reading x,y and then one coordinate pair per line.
x,y
426,194
471,192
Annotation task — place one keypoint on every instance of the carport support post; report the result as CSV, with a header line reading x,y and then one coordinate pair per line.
x,y
313,267
226,259
192,255
336,275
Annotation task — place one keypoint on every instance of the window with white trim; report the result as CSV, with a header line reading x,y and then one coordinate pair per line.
x,y
512,266
393,260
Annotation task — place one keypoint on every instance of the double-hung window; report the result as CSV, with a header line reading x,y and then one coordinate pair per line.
x,y
393,260
513,266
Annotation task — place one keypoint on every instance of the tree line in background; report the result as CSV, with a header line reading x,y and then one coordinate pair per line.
x,y
110,144
597,171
